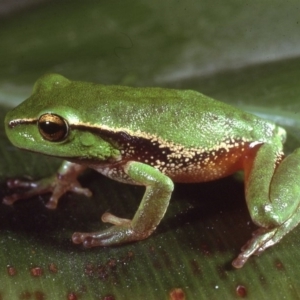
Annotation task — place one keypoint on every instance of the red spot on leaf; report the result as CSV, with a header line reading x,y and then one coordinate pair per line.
x,y
177,294
241,291
11,270
36,271
39,295
109,297
72,296
53,268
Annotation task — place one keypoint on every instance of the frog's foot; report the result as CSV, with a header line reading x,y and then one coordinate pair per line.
x,y
121,232
55,184
262,239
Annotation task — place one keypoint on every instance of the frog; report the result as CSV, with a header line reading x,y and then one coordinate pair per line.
x,y
154,137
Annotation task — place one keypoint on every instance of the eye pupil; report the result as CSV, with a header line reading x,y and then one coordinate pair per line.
x,y
53,127
50,127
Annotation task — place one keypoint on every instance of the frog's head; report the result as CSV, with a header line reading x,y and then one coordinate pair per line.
x,y
45,123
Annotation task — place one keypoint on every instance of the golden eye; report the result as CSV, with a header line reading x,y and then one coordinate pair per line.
x,y
52,127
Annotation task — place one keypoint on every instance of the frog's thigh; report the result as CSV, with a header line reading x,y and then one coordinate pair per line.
x,y
273,195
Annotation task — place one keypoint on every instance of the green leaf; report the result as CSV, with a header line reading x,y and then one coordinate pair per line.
x,y
242,53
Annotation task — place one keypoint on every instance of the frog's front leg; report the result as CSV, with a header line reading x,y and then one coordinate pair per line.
x,y
153,206
273,197
64,180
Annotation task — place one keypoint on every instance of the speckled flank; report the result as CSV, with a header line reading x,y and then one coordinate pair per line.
x,y
178,162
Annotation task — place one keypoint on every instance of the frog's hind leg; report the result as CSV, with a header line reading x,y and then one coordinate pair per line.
x,y
273,198
264,238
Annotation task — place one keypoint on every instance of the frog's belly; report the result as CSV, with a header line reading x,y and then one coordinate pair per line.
x,y
184,169
188,174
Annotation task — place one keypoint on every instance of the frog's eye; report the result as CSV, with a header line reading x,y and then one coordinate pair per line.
x,y
52,127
